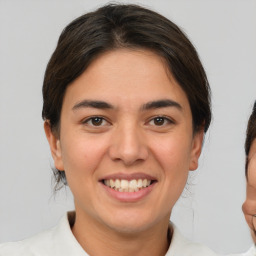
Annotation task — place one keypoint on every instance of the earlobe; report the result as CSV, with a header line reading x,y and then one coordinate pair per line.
x,y
196,150
55,147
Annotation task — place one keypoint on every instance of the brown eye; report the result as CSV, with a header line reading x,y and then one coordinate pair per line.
x,y
159,121
96,121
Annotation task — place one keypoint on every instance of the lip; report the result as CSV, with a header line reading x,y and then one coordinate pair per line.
x,y
128,196
130,176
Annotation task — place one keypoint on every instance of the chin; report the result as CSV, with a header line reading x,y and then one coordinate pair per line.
x,y
130,223
129,228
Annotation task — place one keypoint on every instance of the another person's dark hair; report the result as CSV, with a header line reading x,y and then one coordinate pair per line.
x,y
250,136
117,26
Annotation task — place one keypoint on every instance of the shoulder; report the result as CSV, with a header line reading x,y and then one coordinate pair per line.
x,y
39,243
57,241
182,246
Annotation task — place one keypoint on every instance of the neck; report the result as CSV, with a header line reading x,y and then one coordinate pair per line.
x,y
97,239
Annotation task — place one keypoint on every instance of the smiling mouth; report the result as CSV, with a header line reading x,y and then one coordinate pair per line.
x,y
123,185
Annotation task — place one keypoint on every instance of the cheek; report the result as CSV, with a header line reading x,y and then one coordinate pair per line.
x,y
173,153
81,158
174,157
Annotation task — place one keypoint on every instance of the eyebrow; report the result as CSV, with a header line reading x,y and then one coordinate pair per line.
x,y
104,105
161,104
92,104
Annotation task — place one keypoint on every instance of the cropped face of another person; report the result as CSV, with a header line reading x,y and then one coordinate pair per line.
x,y
126,141
252,162
249,206
250,147
251,188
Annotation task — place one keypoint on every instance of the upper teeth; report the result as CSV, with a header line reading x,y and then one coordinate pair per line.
x,y
126,185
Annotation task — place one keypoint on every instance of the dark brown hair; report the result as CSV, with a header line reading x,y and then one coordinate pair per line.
x,y
250,135
124,26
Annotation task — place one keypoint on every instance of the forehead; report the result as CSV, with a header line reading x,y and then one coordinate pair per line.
x,y
137,75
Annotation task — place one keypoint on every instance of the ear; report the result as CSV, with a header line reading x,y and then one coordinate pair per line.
x,y
54,143
196,149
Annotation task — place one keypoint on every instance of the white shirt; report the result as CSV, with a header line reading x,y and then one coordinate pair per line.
x,y
60,241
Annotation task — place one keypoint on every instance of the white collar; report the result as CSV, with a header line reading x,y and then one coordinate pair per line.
x,y
60,241
179,245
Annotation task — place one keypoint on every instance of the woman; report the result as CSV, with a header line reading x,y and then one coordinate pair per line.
x,y
126,106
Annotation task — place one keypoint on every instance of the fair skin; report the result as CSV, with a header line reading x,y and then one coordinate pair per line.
x,y
249,207
125,118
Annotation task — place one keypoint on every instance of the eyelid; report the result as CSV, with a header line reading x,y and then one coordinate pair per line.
x,y
167,121
88,119
166,118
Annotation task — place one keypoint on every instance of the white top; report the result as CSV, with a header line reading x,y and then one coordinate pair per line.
x,y
59,241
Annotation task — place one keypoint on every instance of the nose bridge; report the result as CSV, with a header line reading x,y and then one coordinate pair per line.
x,y
128,143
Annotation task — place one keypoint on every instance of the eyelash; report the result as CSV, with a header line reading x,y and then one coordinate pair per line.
x,y
89,121
163,121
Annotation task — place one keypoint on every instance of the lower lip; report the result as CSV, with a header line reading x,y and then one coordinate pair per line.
x,y
129,196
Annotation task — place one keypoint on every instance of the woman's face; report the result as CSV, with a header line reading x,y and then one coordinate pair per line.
x,y
126,141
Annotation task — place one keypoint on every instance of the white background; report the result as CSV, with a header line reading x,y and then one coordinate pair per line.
x,y
224,32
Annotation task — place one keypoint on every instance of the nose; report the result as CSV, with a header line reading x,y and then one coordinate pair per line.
x,y
128,145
